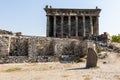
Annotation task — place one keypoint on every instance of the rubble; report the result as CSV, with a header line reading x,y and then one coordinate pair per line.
x,y
45,49
38,49
2,32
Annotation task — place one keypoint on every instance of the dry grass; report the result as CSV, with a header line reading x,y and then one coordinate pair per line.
x,y
47,68
117,77
44,69
31,64
67,65
13,69
59,71
87,77
64,76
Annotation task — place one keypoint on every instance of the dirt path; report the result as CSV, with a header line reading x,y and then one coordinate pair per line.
x,y
59,71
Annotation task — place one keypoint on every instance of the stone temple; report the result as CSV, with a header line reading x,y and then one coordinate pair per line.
x,y
72,23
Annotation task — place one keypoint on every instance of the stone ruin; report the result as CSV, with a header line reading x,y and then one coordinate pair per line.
x,y
20,48
62,24
82,25
4,32
71,23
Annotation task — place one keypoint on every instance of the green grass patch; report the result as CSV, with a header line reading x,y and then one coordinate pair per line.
x,y
100,50
116,38
13,69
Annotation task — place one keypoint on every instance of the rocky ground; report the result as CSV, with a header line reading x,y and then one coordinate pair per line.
x,y
108,69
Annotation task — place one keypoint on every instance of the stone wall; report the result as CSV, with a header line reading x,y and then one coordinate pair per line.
x,y
17,49
4,42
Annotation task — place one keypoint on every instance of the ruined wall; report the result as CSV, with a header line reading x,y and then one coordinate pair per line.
x,y
15,49
3,32
18,47
4,45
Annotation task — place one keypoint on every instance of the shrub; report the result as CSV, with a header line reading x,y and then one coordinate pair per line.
x,y
116,38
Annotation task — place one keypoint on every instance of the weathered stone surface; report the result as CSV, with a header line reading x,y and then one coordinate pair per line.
x,y
13,59
36,48
40,46
107,36
4,42
91,58
18,47
73,24
102,55
5,32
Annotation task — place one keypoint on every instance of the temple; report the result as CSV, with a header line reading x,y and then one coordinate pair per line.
x,y
68,23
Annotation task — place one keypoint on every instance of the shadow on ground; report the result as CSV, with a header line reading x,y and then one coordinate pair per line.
x,y
83,68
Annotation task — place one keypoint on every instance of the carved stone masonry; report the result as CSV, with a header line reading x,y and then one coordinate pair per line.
x,y
72,22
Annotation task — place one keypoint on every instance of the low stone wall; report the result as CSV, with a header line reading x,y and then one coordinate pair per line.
x,y
15,49
14,59
26,59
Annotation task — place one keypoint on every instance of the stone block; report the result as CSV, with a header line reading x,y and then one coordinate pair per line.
x,y
91,58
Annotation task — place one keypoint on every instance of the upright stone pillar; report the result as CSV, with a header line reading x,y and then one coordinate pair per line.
x,y
76,25
84,29
61,26
48,25
97,25
54,26
69,25
91,25
91,58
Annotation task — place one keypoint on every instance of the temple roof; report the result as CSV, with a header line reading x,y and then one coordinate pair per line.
x,y
73,9
57,11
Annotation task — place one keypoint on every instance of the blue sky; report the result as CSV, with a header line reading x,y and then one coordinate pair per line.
x,y
28,16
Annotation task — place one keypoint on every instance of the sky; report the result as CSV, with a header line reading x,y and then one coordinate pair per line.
x,y
29,17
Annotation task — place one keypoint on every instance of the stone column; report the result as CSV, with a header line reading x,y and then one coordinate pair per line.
x,y
76,25
69,25
54,26
91,25
48,25
84,29
97,25
62,26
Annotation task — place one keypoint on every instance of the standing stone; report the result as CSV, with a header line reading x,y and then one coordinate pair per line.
x,y
91,58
